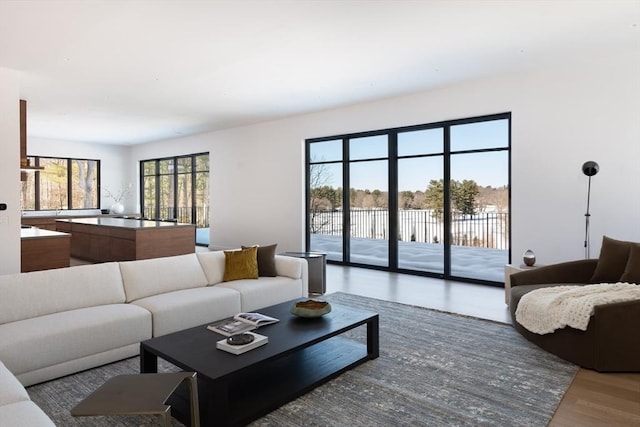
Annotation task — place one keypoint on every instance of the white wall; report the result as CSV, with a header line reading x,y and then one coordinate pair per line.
x,y
563,115
10,171
255,181
114,164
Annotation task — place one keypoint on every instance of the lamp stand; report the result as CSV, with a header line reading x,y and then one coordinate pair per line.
x,y
587,243
589,168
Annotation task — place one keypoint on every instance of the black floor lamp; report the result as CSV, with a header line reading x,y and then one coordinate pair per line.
x,y
589,168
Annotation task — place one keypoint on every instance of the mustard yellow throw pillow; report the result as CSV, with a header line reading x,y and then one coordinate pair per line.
x,y
242,264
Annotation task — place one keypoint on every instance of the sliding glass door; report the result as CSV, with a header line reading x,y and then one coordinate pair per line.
x,y
431,199
420,213
479,193
325,198
368,200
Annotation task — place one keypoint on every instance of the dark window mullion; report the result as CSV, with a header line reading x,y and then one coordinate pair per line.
x,y
193,189
141,186
346,203
98,186
36,185
446,217
175,187
157,183
307,220
392,200
69,184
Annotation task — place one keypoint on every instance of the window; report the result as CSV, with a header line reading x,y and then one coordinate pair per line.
x,y
430,199
62,184
177,188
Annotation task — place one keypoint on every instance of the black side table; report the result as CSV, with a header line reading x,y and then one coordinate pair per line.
x,y
317,262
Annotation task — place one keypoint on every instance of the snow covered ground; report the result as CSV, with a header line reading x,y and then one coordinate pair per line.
x,y
466,261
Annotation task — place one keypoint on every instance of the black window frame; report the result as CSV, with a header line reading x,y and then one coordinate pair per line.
x,y
35,161
392,158
157,174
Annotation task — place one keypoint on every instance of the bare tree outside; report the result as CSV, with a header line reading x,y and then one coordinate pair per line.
x,y
86,184
323,197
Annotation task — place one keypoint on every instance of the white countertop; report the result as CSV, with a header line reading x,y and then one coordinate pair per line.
x,y
39,233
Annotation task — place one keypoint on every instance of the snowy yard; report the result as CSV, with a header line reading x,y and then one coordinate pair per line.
x,y
466,261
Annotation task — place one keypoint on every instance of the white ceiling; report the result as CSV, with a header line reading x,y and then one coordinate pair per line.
x,y
126,72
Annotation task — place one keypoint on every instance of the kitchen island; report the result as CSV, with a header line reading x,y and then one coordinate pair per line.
x,y
43,249
125,239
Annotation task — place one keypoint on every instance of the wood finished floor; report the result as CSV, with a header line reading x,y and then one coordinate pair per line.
x,y
593,399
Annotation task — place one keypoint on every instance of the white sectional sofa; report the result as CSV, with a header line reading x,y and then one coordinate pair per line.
x,y
57,322
16,407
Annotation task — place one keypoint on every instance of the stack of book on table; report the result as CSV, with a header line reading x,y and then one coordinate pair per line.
x,y
240,324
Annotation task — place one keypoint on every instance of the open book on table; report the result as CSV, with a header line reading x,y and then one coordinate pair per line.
x,y
241,322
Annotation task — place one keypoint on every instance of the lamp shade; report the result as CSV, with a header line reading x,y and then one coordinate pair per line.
x,y
590,168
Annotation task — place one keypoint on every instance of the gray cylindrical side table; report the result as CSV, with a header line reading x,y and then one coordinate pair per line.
x,y
317,262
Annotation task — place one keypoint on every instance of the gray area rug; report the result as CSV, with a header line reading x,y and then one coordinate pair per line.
x,y
434,369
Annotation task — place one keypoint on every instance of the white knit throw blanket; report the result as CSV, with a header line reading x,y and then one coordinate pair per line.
x,y
544,310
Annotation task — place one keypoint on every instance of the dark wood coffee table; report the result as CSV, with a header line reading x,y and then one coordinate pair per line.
x,y
301,354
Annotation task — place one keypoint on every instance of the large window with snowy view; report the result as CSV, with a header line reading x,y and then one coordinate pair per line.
x,y
429,199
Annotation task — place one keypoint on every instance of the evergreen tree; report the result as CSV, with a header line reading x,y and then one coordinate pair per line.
x,y
463,196
434,197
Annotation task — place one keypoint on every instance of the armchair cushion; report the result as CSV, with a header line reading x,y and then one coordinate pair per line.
x,y
612,261
632,270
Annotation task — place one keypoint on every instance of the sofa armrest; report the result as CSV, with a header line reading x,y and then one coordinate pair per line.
x,y
288,267
295,268
565,272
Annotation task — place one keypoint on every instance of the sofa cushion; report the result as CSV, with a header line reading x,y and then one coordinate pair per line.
x,y
39,293
632,270
241,264
266,260
212,264
612,261
144,278
268,291
56,338
24,414
175,311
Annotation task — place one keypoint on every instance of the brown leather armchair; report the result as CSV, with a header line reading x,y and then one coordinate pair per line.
x,y
611,342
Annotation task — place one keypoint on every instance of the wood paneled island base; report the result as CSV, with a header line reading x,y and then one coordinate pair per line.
x,y
43,249
120,239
